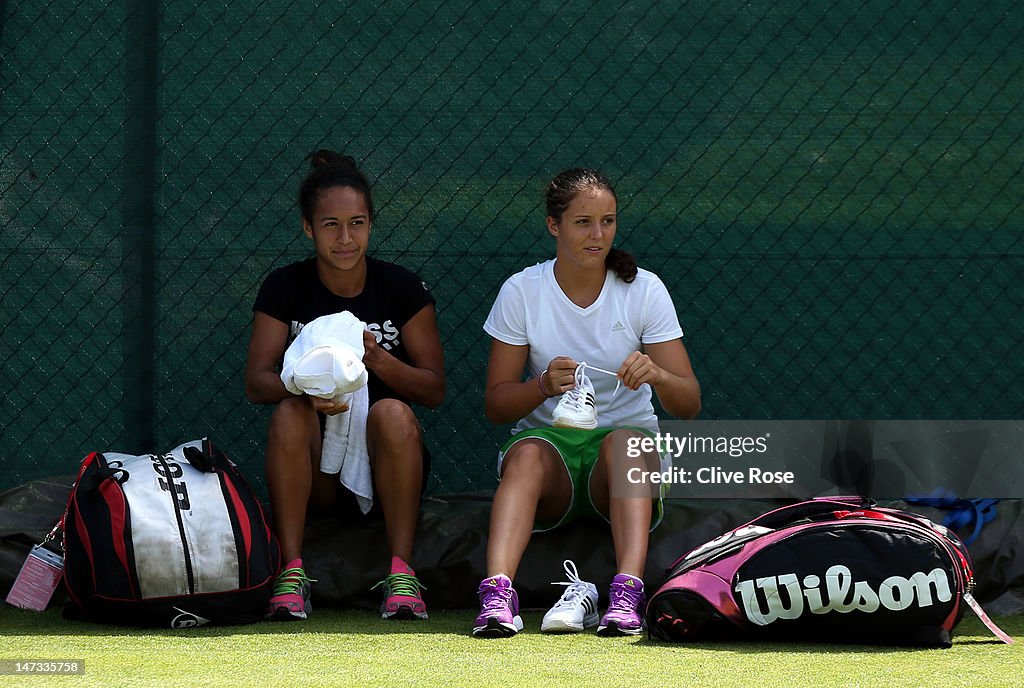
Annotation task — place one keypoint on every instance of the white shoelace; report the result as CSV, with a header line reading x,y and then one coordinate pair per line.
x,y
575,398
576,588
578,376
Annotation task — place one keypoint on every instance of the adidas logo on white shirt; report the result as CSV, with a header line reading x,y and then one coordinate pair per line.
x,y
618,326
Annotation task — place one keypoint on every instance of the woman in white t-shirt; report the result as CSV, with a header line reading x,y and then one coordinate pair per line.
x,y
594,336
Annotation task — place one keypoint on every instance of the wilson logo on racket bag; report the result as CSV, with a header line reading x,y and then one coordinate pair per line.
x,y
840,594
890,576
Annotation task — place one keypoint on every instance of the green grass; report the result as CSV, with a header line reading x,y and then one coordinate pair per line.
x,y
345,648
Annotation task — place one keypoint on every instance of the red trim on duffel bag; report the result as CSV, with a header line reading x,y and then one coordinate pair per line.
x,y
244,524
965,576
863,513
86,462
83,536
111,492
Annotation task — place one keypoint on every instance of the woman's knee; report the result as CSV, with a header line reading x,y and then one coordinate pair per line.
x,y
532,462
292,420
621,467
393,422
533,471
621,443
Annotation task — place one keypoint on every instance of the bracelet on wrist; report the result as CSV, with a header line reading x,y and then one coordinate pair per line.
x,y
540,384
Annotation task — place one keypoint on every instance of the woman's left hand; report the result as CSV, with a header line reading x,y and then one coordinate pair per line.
x,y
639,369
373,354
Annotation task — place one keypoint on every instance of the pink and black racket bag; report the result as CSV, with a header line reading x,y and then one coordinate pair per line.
x,y
174,540
835,569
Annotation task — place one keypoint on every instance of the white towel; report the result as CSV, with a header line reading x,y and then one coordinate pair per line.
x,y
325,360
344,451
328,371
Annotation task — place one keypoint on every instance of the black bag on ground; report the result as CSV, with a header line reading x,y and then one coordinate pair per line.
x,y
174,540
839,570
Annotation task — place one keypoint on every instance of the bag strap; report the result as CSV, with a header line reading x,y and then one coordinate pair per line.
x,y
976,608
58,528
810,509
963,512
976,511
207,459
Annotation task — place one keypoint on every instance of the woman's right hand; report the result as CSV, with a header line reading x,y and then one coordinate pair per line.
x,y
560,376
328,407
507,396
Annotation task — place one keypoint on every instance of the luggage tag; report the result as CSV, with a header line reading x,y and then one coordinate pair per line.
x,y
39,577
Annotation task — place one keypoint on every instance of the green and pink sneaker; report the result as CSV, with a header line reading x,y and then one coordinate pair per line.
x,y
290,600
402,599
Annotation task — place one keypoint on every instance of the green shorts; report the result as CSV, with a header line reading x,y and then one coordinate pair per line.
x,y
579,452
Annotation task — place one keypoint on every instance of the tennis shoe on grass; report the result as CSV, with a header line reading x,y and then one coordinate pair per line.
x,y
499,609
402,599
290,600
625,615
576,609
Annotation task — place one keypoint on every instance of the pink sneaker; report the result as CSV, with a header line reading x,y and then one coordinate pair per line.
x,y
290,601
402,599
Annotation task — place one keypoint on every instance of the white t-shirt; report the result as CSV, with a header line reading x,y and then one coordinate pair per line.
x,y
531,309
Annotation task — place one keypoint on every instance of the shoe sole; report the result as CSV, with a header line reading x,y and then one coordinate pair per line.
x,y
404,614
285,615
612,630
562,423
562,626
496,629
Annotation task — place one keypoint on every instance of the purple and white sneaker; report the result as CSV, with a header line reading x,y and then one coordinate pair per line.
x,y
625,615
499,609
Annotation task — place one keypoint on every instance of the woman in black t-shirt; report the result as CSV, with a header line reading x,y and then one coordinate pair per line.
x,y
404,361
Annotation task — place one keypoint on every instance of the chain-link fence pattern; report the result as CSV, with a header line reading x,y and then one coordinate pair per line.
x,y
832,192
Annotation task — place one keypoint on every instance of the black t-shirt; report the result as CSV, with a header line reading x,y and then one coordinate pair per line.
x,y
295,295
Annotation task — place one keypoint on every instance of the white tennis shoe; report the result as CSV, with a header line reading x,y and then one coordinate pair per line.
x,y
578,407
576,609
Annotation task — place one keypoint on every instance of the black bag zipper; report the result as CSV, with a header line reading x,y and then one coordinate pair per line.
x,y
189,573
